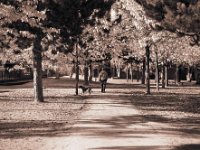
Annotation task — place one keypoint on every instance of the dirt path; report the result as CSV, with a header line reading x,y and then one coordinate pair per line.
x,y
112,123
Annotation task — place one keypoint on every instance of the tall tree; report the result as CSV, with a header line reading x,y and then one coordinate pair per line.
x,y
21,21
44,24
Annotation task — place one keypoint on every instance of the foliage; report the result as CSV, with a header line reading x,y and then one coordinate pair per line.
x,y
180,16
57,24
150,23
111,36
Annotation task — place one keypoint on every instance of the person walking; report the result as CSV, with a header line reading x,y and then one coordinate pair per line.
x,y
103,77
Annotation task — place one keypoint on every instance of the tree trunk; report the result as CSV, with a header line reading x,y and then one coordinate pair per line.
x,y
147,70
131,72
57,72
143,71
37,72
86,73
127,71
166,76
91,73
77,68
163,76
113,71
118,71
157,73
48,72
138,73
188,74
177,75
190,70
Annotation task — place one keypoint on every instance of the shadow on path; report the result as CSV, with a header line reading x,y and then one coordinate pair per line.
x,y
113,122
188,147
132,148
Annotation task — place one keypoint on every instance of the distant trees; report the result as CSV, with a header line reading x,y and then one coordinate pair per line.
x,y
111,36
152,17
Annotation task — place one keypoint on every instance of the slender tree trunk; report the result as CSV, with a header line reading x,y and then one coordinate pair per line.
x,y
163,75
37,71
131,72
147,70
188,73
86,75
127,78
177,75
118,71
57,72
166,76
190,68
157,73
138,73
77,68
143,71
113,71
91,73
47,72
86,72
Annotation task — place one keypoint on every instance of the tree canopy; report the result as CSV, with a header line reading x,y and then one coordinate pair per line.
x,y
181,16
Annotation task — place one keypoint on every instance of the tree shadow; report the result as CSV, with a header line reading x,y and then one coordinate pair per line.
x,y
182,147
181,125
132,148
119,126
180,111
188,147
115,127
148,103
66,83
15,99
165,101
5,91
71,99
16,82
21,129
56,122
22,118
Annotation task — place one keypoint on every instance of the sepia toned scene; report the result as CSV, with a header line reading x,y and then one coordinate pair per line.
x,y
99,75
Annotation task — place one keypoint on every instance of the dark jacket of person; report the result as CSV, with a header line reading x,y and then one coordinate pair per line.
x,y
103,76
